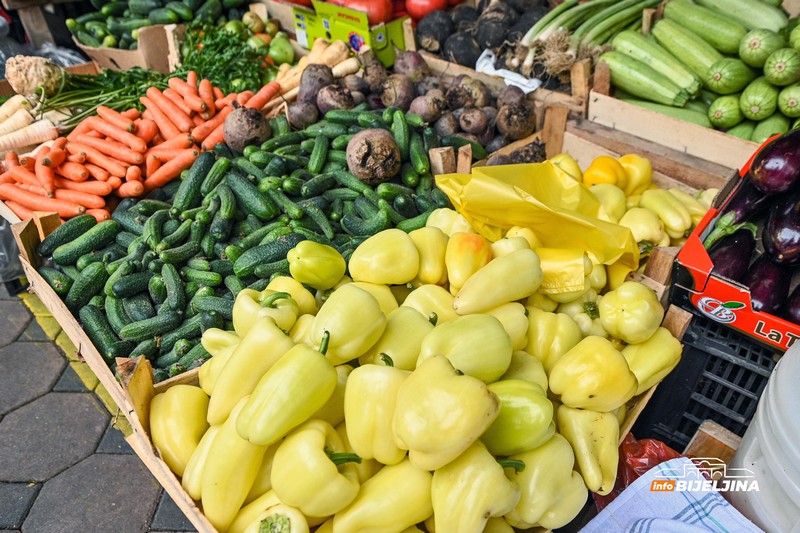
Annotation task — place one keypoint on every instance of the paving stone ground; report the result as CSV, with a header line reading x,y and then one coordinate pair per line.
x,y
65,467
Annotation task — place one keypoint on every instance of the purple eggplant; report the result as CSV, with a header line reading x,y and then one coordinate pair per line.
x,y
746,205
731,254
792,310
776,167
769,285
781,235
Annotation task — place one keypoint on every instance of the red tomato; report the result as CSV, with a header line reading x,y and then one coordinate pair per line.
x,y
417,9
377,11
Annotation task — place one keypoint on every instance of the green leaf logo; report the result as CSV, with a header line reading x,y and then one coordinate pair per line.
x,y
733,305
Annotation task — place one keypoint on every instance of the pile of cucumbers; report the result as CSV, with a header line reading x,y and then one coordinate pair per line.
x,y
116,23
164,268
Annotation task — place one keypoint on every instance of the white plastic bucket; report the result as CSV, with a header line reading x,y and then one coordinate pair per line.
x,y
770,449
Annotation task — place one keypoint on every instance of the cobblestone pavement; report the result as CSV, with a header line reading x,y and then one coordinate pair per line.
x,y
64,464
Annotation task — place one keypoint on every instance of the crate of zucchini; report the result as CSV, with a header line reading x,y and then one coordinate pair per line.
x,y
733,65
123,34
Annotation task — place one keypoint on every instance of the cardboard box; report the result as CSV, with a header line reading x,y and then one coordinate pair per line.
x,y
157,50
332,22
698,288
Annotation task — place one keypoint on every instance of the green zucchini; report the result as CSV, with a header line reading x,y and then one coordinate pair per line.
x,y
743,130
687,47
642,81
757,45
725,112
717,29
689,115
775,124
751,14
728,75
759,99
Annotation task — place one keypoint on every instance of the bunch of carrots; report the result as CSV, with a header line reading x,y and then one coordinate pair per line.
x,y
117,155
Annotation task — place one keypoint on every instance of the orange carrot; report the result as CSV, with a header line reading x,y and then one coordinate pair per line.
x,y
134,173
204,130
197,119
76,158
27,162
21,174
184,140
130,189
93,133
21,211
189,94
158,139
80,129
206,92
55,157
146,129
244,96
72,171
90,201
115,117
151,165
219,103
215,137
61,142
170,170
45,174
33,201
99,188
118,134
177,99
131,113
115,182
191,78
94,156
173,112
118,151
146,114
264,95
5,177
99,214
96,172
168,153
217,92
11,160
165,125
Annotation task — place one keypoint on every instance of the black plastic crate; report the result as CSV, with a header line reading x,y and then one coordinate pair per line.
x,y
720,377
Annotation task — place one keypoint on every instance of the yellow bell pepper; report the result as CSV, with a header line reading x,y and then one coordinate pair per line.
x,y
550,336
506,245
526,233
250,305
214,340
177,423
402,291
367,467
449,221
369,404
317,265
639,173
514,318
469,490
433,302
382,293
354,320
485,290
292,390
312,471
497,524
605,169
252,511
631,312
593,375
464,255
646,227
440,413
280,518
696,209
654,358
567,164
333,410
192,478
526,367
320,297
401,340
612,199
675,216
229,471
598,277
395,498
301,330
302,297
264,344
431,243
263,482
585,313
594,438
476,345
706,196
552,493
389,257
525,420
211,369
541,301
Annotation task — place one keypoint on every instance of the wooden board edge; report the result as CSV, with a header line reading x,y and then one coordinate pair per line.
x,y
713,440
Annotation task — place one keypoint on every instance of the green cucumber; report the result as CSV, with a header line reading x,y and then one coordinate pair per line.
x,y
160,324
99,331
132,284
245,265
58,281
94,238
66,232
250,199
115,313
138,307
222,306
189,191
89,283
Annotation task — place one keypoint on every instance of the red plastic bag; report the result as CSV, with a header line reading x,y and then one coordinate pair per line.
x,y
635,458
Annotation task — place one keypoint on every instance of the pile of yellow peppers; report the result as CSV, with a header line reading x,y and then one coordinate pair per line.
x,y
434,386
624,186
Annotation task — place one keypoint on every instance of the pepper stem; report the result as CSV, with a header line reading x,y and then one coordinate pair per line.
x,y
516,464
324,342
433,318
270,300
386,359
339,458
591,309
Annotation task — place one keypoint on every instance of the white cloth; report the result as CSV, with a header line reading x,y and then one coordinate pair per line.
x,y
485,65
